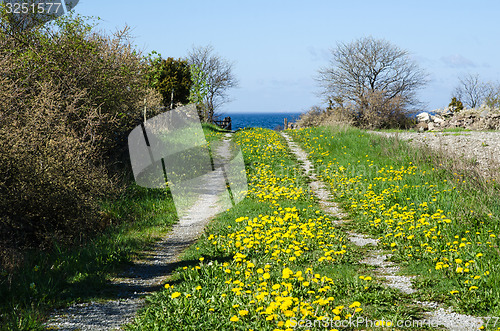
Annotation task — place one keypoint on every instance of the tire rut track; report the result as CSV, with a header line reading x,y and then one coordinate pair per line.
x,y
377,258
147,275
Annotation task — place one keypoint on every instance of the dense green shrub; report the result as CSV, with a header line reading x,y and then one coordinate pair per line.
x,y
68,98
171,78
456,105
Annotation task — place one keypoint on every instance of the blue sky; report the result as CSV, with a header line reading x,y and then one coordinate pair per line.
x,y
278,46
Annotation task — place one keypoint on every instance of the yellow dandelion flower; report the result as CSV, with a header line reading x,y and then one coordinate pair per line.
x,y
355,304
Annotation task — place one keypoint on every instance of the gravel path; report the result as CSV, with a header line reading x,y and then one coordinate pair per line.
x,y
384,268
147,275
481,147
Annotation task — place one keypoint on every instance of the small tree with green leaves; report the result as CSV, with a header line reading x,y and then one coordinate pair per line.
x,y
171,78
456,105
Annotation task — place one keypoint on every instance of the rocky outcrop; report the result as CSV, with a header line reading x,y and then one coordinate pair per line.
x,y
483,118
474,122
426,121
423,117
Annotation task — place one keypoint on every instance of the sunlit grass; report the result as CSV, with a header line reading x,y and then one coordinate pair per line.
x,y
443,225
64,275
73,274
270,261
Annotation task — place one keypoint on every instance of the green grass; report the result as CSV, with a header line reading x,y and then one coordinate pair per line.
x,y
456,130
212,131
397,130
61,276
215,288
456,134
440,214
279,228
66,275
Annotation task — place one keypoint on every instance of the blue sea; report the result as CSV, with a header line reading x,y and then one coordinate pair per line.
x,y
263,120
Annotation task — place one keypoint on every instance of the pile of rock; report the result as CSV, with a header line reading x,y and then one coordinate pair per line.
x,y
483,118
427,121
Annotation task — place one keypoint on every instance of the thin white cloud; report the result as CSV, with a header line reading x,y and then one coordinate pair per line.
x,y
318,54
458,61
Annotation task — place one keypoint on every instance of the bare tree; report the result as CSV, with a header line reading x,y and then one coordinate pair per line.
x,y
218,75
471,90
366,67
492,95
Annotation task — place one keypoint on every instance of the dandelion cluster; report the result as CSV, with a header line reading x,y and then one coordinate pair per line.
x,y
268,278
407,214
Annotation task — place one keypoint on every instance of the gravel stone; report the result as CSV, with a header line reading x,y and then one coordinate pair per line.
x,y
482,148
453,321
361,240
316,186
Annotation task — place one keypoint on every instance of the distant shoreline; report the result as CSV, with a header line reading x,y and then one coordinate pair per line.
x,y
263,120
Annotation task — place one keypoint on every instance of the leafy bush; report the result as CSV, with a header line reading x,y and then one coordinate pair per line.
x,y
68,98
171,78
456,105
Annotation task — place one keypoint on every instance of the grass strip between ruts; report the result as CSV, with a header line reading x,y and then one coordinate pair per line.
x,y
271,262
